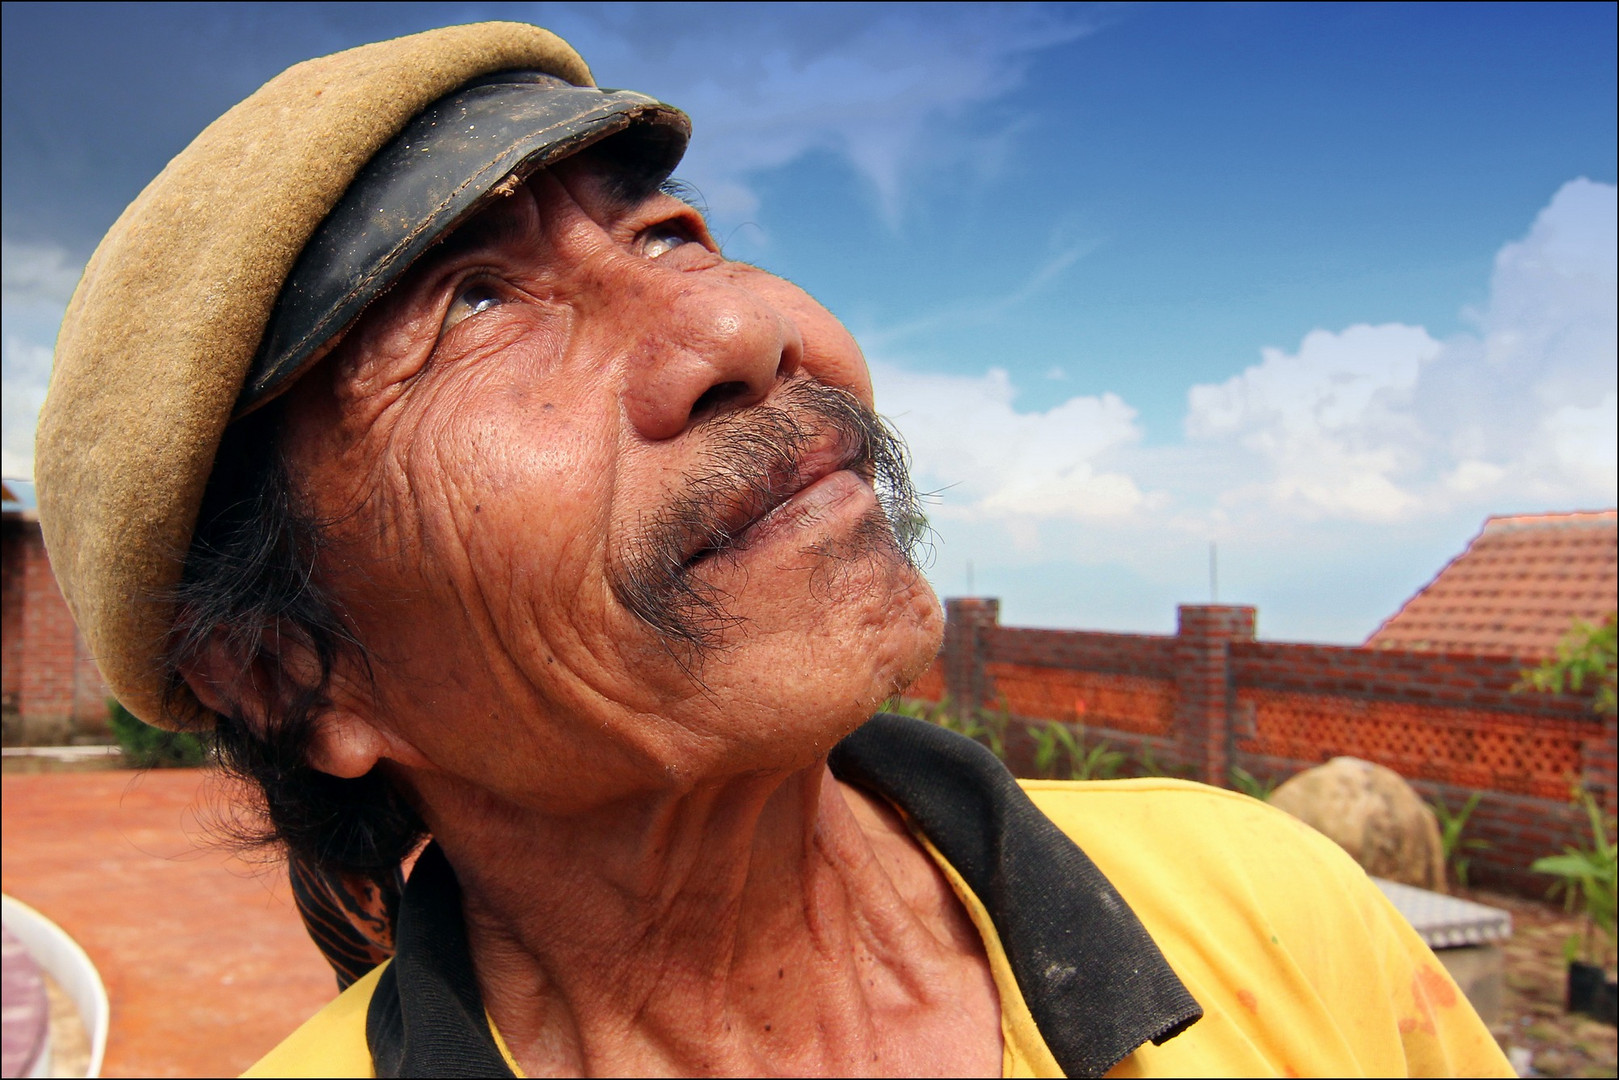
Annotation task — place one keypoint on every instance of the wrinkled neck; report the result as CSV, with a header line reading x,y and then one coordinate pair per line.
x,y
752,925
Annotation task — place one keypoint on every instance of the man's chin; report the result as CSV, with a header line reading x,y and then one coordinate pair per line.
x,y
792,675
925,616
862,617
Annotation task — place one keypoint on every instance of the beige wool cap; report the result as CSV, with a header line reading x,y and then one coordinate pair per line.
x,y
165,323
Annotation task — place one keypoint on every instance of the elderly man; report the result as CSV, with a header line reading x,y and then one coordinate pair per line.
x,y
409,432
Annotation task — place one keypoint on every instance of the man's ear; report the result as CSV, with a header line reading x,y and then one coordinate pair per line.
x,y
344,742
224,684
347,746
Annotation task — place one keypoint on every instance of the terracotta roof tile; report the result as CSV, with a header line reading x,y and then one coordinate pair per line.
x,y
1516,590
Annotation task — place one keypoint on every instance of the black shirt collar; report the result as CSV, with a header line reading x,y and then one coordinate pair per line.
x,y
1095,984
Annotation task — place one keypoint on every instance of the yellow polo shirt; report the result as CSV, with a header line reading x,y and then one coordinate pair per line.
x,y
1301,965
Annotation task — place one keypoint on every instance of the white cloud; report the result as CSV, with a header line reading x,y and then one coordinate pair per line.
x,y
866,82
27,369
36,282
1329,424
993,462
1382,423
1368,424
1351,465
36,273
1584,441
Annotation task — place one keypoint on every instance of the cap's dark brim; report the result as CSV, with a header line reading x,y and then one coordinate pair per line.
x,y
425,182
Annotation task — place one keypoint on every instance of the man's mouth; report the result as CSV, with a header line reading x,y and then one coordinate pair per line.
x,y
775,506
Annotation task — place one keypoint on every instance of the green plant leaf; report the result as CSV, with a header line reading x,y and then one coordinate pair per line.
x,y
1587,880
148,747
1585,655
1249,784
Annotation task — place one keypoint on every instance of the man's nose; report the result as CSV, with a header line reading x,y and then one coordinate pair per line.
x,y
703,346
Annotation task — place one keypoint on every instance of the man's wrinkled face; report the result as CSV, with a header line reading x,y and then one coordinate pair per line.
x,y
605,507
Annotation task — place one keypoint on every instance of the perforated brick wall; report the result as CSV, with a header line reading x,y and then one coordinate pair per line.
x,y
1470,748
1210,698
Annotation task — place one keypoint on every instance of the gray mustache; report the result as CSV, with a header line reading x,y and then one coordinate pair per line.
x,y
752,460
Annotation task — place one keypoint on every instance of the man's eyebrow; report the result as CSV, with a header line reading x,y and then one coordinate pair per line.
x,y
490,228
629,188
687,193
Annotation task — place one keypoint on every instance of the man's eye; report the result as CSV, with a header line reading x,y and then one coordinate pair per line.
x,y
472,299
661,241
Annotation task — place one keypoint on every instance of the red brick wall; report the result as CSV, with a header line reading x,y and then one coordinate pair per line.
x,y
1519,829
1204,639
1143,655
1123,703
1419,677
1211,698
53,692
13,572
929,686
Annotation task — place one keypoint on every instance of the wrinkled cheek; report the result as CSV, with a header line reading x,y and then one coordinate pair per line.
x,y
527,496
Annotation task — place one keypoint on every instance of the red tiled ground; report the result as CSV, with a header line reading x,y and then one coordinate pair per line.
x,y
206,963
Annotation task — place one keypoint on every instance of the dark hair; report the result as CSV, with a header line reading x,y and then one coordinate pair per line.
x,y
250,588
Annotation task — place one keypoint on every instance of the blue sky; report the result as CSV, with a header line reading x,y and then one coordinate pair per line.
x,y
1324,284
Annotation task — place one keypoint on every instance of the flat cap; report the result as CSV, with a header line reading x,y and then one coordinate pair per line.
x,y
168,319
